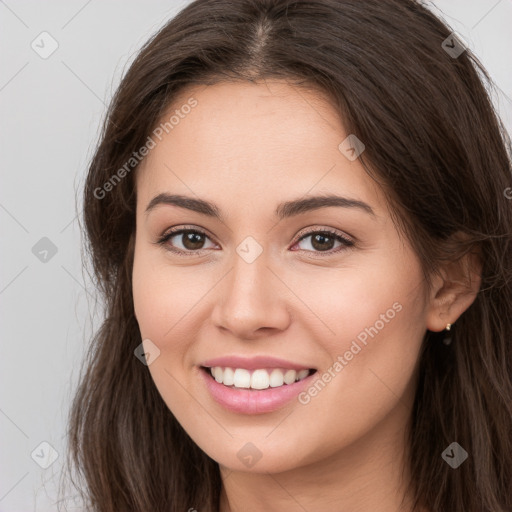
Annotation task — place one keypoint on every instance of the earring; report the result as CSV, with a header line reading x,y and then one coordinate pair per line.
x,y
448,337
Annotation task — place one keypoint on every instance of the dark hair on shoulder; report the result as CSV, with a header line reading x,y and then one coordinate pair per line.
x,y
436,145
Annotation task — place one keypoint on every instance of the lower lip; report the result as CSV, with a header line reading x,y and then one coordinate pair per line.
x,y
252,401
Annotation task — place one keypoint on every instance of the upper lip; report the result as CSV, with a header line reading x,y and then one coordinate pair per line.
x,y
253,363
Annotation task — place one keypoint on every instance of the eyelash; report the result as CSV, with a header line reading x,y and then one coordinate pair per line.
x,y
346,242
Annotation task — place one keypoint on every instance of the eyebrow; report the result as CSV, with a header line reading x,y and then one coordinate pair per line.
x,y
283,210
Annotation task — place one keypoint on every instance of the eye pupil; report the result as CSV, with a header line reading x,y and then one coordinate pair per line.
x,y
322,237
193,241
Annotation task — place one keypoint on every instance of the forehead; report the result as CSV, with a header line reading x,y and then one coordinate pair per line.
x,y
244,140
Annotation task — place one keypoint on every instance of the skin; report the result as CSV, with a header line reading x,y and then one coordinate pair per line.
x,y
248,147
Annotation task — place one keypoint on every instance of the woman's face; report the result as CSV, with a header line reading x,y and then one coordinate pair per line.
x,y
263,279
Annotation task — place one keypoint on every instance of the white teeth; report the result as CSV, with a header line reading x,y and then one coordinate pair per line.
x,y
228,377
276,378
289,376
217,374
259,379
302,374
242,378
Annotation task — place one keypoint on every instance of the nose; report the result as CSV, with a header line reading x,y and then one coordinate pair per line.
x,y
251,301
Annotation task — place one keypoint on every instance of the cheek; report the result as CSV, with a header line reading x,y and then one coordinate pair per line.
x,y
169,305
378,319
161,296
149,300
375,299
373,316
163,310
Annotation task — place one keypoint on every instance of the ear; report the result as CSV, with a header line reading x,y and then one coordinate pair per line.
x,y
454,288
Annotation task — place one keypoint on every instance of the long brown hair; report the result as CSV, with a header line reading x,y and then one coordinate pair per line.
x,y
433,142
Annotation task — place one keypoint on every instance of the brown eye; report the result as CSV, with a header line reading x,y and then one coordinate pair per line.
x,y
188,241
184,240
324,241
192,240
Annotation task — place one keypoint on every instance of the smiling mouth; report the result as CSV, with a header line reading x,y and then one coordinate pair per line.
x,y
256,380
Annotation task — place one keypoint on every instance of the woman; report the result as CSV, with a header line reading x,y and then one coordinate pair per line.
x,y
299,217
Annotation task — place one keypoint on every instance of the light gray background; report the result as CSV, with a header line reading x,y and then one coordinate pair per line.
x,y
50,111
